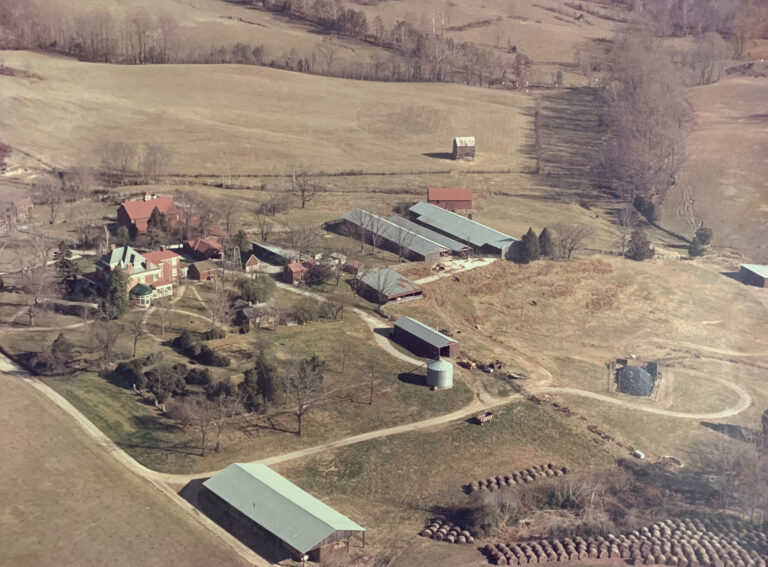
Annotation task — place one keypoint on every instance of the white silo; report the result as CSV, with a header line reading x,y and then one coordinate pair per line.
x,y
440,374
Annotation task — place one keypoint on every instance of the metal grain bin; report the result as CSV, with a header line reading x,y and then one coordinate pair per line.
x,y
440,374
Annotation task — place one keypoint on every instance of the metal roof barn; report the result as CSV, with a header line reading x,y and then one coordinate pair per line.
x,y
479,236
277,505
423,339
754,274
442,240
389,283
415,245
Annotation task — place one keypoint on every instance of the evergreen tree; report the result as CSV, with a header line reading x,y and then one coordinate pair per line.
x,y
242,242
546,243
704,235
639,248
158,227
530,247
695,248
66,270
117,292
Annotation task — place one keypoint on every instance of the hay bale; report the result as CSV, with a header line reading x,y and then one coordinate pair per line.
x,y
438,536
461,539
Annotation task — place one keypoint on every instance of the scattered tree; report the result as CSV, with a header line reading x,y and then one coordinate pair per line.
x,y
117,292
569,238
66,269
704,235
303,186
639,247
529,247
155,162
546,243
256,290
118,159
264,226
303,384
695,248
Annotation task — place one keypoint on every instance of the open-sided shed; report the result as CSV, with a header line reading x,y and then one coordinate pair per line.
x,y
253,497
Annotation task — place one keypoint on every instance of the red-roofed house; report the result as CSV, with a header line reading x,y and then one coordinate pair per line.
x,y
169,262
450,198
203,248
137,213
295,272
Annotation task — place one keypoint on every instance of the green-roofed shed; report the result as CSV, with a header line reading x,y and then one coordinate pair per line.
x,y
253,497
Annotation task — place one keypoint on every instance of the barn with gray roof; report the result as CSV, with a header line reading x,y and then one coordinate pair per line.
x,y
482,239
250,499
453,245
385,284
393,237
424,340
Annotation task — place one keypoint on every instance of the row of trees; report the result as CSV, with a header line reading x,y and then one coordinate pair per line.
x,y
559,242
645,113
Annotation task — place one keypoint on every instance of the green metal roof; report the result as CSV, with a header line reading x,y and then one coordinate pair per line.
x,y
141,289
279,506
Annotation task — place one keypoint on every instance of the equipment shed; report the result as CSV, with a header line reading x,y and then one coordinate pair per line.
x,y
754,274
424,340
253,498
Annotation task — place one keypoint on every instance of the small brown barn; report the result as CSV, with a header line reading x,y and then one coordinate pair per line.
x,y
295,272
754,274
423,340
253,502
205,270
464,148
450,198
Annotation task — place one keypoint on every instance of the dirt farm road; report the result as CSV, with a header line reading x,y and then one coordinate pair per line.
x,y
169,483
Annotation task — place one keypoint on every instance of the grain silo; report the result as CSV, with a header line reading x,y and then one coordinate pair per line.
x,y
440,374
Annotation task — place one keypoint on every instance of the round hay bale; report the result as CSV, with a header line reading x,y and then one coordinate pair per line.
x,y
481,482
461,539
493,487
501,560
465,533
558,472
649,560
500,480
470,539
474,486
562,557
592,552
438,536
483,488
425,533
450,538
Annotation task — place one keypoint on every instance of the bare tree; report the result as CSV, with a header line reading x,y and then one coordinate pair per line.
x,y
568,238
303,384
218,305
197,410
104,339
155,162
303,186
627,222
137,330
163,308
228,405
327,50
264,226
118,159
80,182
403,240
301,237
48,192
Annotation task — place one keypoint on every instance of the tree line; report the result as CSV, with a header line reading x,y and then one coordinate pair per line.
x,y
143,36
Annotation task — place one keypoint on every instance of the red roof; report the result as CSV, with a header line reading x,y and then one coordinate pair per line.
x,y
303,266
160,255
449,194
204,244
143,209
160,283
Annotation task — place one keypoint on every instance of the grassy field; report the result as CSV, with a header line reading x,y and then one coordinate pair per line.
x,y
68,503
722,181
251,119
343,409
393,485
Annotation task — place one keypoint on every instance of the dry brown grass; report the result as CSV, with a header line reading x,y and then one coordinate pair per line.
x,y
69,503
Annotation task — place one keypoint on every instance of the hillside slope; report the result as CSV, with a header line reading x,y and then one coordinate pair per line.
x,y
724,181
252,119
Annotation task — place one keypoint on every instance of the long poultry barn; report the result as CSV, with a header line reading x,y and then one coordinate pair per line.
x,y
396,238
480,238
254,502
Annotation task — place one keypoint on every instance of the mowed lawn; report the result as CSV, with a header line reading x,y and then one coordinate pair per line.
x,y
67,502
244,119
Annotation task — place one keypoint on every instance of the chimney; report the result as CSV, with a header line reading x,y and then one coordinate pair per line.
x,y
112,246
147,196
162,248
